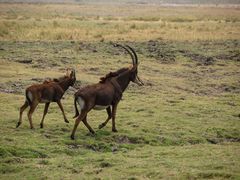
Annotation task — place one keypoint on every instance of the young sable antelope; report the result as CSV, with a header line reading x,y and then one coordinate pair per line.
x,y
106,93
47,92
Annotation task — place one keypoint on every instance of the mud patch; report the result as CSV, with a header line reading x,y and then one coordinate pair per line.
x,y
86,46
12,87
98,147
214,175
123,139
222,140
18,87
105,164
14,160
231,55
93,71
200,59
229,88
25,61
160,51
220,135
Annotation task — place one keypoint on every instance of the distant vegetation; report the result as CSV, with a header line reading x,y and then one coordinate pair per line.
x,y
131,1
117,22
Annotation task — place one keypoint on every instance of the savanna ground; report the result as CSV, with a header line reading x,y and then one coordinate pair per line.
x,y
183,124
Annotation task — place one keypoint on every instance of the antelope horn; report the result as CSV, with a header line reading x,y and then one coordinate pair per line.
x,y
135,54
133,59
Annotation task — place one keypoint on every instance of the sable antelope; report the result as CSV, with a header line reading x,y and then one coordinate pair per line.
x,y
106,93
47,92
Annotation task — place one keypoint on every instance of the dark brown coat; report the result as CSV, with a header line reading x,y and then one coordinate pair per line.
x,y
105,94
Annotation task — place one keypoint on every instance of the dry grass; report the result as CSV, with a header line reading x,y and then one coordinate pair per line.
x,y
135,23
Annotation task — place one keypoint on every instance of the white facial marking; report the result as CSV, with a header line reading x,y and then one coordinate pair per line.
x,y
99,107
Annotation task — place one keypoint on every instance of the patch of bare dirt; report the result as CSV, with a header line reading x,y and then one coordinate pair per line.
x,y
123,139
222,140
86,46
229,88
201,59
25,61
232,55
160,51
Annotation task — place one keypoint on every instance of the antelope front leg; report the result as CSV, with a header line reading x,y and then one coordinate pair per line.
x,y
44,114
60,106
114,110
109,112
24,106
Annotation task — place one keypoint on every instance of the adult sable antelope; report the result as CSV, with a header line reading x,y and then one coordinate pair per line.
x,y
47,92
106,93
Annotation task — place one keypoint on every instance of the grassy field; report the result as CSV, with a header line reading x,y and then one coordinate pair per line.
x,y
117,22
183,124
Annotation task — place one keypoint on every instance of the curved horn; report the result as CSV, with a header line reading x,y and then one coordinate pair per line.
x,y
74,73
133,59
135,54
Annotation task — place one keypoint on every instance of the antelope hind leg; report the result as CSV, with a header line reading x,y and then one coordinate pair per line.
x,y
23,107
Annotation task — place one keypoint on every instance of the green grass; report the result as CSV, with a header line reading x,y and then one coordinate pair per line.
x,y
183,124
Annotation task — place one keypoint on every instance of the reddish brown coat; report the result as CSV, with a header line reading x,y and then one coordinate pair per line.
x,y
47,92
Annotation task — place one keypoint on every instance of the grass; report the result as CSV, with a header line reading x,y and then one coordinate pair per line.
x,y
116,22
183,124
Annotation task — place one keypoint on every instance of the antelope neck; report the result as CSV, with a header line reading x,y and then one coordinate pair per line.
x,y
65,84
123,80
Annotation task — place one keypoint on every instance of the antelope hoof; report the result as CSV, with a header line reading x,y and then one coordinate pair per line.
x,y
90,133
72,137
18,124
101,126
66,121
41,125
114,130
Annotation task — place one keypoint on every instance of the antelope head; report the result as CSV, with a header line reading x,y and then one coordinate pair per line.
x,y
71,76
134,68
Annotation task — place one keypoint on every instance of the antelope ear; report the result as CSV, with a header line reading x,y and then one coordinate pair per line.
x,y
133,68
72,73
68,73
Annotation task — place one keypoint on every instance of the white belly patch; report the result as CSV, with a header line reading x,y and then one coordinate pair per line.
x,y
44,101
99,107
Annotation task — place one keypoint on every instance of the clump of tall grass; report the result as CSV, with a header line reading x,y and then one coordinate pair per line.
x,y
143,18
133,26
110,18
3,31
55,24
181,20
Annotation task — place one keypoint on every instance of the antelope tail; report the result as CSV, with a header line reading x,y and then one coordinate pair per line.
x,y
76,109
27,97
